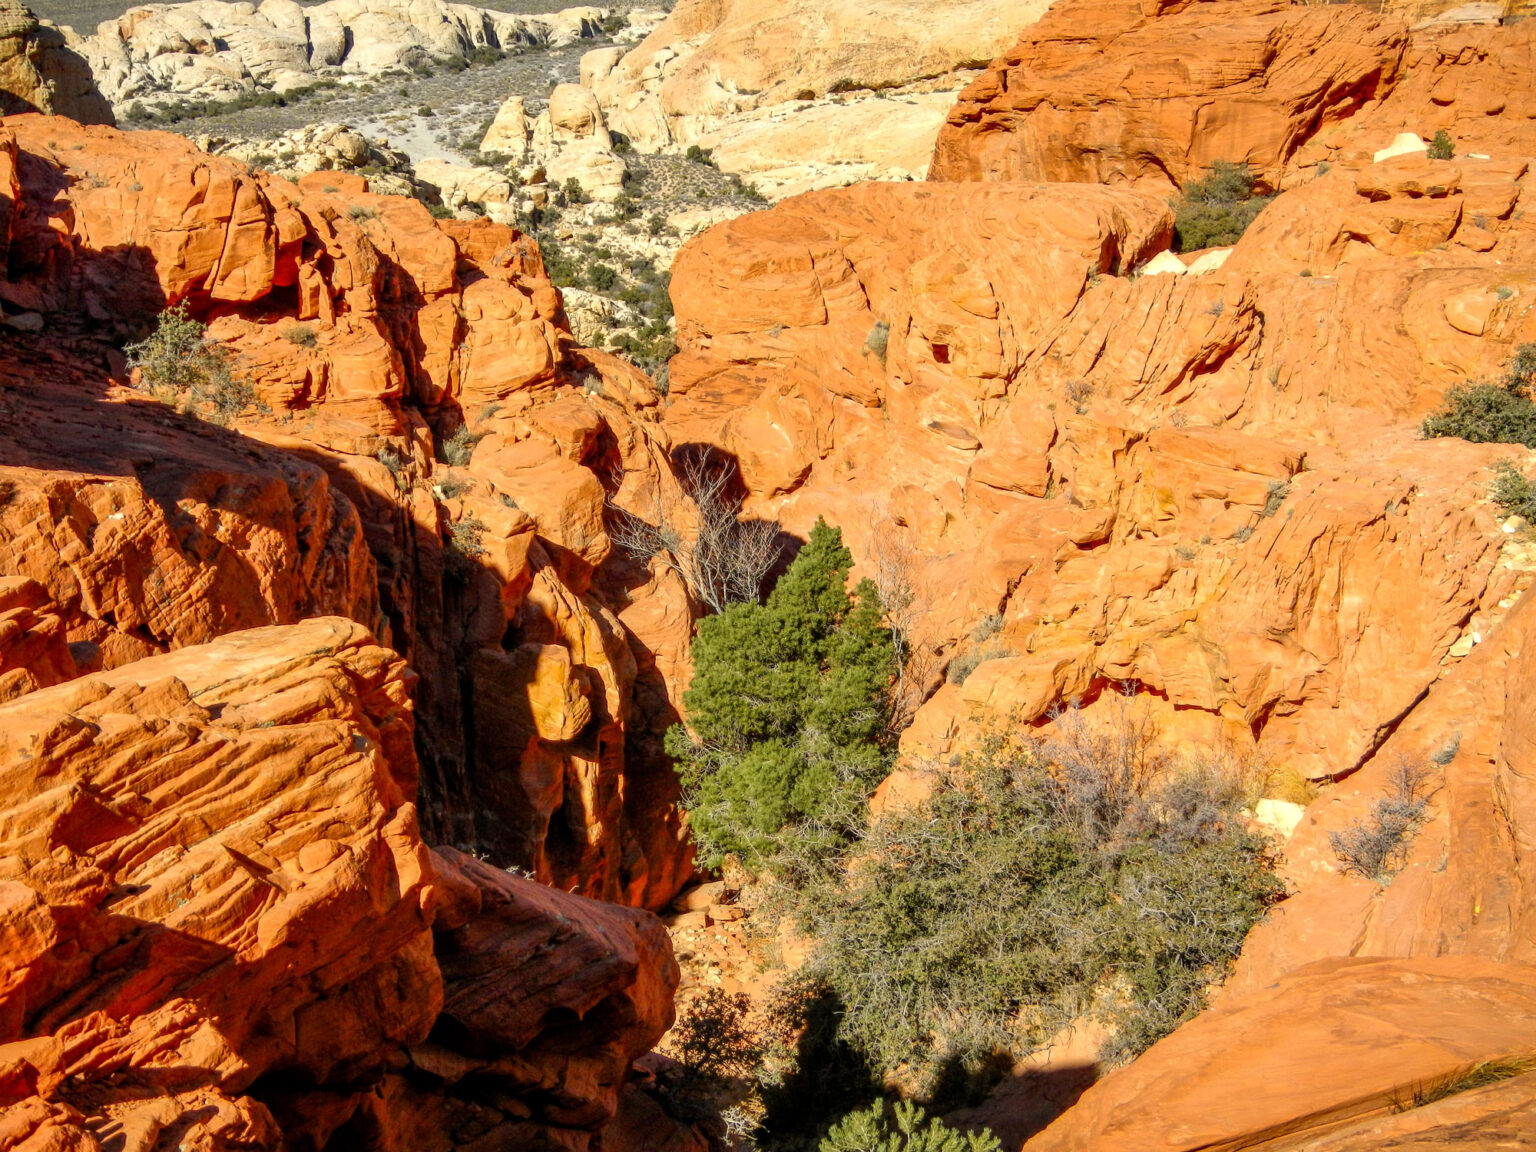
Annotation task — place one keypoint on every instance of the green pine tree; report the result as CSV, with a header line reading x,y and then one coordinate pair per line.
x,y
789,707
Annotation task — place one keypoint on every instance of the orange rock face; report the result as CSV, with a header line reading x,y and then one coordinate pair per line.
x,y
1324,1047
1208,486
1112,92
370,333
216,915
1109,91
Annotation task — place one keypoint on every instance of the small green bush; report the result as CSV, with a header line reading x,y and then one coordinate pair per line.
x,y
573,191
1442,147
1499,413
301,335
179,367
600,277
903,1128
788,710
698,155
362,213
1216,211
1514,492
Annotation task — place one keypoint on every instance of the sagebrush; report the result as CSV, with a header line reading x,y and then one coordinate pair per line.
x,y
180,367
1500,412
1214,212
1043,880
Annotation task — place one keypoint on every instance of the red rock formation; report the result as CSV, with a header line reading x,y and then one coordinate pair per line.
x,y
1111,91
216,916
371,332
1210,486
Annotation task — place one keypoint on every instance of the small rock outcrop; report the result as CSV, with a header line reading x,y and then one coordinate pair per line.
x,y
41,72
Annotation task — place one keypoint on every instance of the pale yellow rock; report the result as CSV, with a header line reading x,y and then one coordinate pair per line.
x,y
508,133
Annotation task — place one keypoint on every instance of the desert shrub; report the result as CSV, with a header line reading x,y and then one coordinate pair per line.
x,y
698,155
1042,880
982,647
1442,147
1377,847
573,191
1216,211
1492,413
459,446
466,537
788,710
600,277
656,224
362,213
902,1128
647,350
1275,493
1514,492
301,335
878,342
180,367
485,54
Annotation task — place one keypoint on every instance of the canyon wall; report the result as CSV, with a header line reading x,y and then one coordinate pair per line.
x,y
371,335
1209,486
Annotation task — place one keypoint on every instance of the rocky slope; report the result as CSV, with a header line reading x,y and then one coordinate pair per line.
x,y
371,335
159,53
1207,487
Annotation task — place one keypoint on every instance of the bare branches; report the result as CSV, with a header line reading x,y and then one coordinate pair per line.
x,y
894,562
723,559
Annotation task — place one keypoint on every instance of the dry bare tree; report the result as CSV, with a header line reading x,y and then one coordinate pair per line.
x,y
722,558
893,563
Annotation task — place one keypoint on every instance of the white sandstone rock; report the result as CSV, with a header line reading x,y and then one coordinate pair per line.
x,y
1403,144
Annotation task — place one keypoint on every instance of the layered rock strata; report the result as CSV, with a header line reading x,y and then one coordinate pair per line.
x,y
223,930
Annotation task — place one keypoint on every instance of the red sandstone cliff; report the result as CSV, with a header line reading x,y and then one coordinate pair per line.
x,y
546,661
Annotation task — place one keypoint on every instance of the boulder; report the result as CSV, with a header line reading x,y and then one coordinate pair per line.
x,y
508,134
40,72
